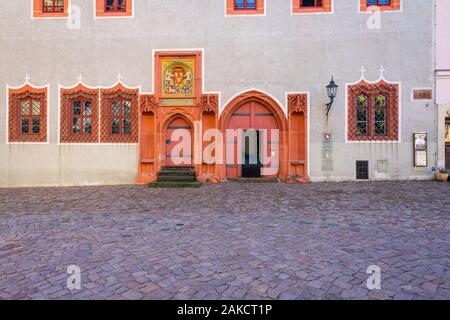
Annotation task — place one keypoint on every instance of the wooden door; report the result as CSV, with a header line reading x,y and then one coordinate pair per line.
x,y
179,143
252,116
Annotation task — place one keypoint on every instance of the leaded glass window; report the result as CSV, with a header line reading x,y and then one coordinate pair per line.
x,y
121,116
362,111
29,122
81,116
380,115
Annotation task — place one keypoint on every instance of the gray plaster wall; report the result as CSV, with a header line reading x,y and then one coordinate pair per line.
x,y
275,53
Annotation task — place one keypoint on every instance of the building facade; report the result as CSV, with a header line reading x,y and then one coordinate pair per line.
x,y
443,81
103,91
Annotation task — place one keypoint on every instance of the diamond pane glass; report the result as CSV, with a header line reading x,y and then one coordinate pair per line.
x,y
361,122
126,108
87,124
87,108
76,125
126,126
36,108
25,125
380,122
116,108
115,126
25,107
36,125
76,108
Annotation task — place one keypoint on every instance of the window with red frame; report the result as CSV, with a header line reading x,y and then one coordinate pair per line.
x,y
115,5
29,116
311,3
378,2
27,113
245,4
81,116
121,116
371,115
373,112
52,6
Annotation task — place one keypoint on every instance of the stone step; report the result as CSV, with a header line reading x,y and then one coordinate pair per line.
x,y
172,184
177,173
177,168
253,180
176,178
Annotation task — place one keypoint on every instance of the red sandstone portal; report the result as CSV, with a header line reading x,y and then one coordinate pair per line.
x,y
160,116
252,115
179,143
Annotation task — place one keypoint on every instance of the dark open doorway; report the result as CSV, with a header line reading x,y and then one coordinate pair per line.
x,y
251,168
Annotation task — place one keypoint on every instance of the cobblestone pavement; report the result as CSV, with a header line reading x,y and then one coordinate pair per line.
x,y
228,241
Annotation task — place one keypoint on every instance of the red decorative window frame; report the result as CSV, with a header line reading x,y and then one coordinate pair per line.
x,y
325,7
39,10
391,92
395,5
68,97
231,8
15,114
107,97
101,9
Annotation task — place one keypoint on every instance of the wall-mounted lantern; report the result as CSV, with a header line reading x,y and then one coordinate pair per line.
x,y
331,91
